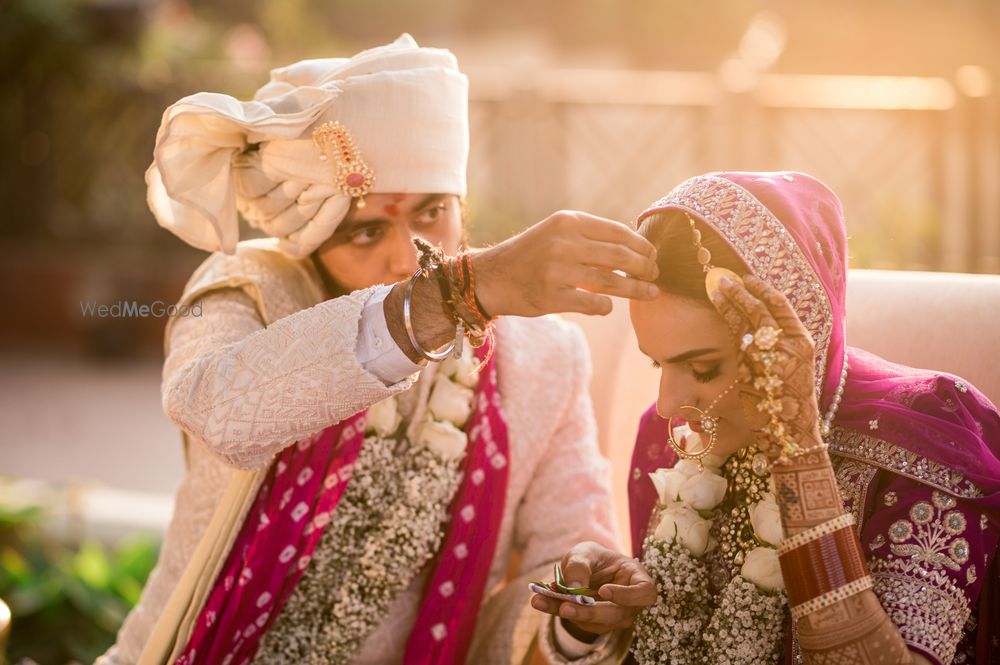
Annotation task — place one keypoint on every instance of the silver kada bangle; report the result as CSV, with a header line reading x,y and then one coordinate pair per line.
x,y
408,322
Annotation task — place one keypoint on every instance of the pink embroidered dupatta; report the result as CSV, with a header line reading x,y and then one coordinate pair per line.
x,y
289,516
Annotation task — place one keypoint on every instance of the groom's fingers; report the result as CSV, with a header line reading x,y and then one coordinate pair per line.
x,y
599,618
576,566
596,280
640,594
547,605
614,256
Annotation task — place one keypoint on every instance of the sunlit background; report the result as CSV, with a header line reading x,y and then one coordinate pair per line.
x,y
599,106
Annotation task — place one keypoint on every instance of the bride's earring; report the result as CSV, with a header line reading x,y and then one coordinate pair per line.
x,y
709,425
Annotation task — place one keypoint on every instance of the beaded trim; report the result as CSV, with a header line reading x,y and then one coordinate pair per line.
x,y
832,597
815,533
770,252
855,445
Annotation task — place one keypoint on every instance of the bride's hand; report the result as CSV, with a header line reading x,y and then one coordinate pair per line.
x,y
781,365
621,582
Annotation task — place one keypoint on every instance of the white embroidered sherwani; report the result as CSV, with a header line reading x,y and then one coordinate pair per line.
x,y
269,362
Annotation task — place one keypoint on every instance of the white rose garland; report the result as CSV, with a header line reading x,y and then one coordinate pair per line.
x,y
686,625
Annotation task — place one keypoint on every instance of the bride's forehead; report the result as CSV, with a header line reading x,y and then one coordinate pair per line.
x,y
670,322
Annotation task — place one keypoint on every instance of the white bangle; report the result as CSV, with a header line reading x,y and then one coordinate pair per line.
x,y
408,323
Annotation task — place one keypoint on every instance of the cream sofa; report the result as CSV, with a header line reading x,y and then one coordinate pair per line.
x,y
944,321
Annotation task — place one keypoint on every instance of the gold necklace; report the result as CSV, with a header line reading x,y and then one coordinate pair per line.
x,y
748,474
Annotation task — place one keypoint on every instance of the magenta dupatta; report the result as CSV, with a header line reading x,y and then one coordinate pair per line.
x,y
292,509
788,228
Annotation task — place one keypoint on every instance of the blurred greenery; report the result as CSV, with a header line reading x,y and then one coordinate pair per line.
x,y
67,602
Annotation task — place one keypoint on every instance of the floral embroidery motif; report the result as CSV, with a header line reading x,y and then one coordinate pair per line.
x,y
961,387
900,531
877,542
983,522
933,533
848,443
873,424
890,498
943,501
970,575
959,550
921,512
954,522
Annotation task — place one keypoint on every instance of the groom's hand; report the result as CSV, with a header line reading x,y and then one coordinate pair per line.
x,y
568,262
622,584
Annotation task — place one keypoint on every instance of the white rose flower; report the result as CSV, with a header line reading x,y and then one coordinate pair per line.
x,y
668,484
462,370
687,438
687,467
714,462
383,418
450,401
766,519
762,568
681,523
443,438
704,490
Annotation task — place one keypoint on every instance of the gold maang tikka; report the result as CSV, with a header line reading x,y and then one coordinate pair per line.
x,y
712,274
709,423
353,176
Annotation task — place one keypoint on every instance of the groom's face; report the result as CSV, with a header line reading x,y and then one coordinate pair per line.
x,y
374,244
696,355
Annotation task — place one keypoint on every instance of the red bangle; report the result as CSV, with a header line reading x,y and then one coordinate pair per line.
x,y
822,567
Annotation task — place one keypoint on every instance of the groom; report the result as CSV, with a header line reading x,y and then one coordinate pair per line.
x,y
346,500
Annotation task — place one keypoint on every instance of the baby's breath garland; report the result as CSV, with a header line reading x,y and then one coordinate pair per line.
x,y
687,625
387,525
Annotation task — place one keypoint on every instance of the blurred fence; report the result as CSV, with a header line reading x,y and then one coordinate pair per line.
x,y
915,161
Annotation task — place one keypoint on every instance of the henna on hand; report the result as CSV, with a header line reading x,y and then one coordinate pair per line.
x,y
855,630
776,374
806,492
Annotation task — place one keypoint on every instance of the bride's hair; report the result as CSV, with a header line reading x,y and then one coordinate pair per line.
x,y
676,255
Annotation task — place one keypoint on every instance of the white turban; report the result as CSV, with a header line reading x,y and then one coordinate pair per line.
x,y
405,107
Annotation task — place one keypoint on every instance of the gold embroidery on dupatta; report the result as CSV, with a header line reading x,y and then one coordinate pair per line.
x,y
854,478
848,443
767,248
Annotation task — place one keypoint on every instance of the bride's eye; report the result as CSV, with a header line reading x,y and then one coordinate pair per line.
x,y
706,376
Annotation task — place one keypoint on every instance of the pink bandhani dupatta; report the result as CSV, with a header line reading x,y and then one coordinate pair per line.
x,y
289,516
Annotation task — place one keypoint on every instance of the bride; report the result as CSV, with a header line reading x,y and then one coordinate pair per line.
x,y
792,499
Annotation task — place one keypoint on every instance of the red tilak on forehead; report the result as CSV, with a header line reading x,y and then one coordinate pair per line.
x,y
392,209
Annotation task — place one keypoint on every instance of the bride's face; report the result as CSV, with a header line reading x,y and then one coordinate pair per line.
x,y
696,355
